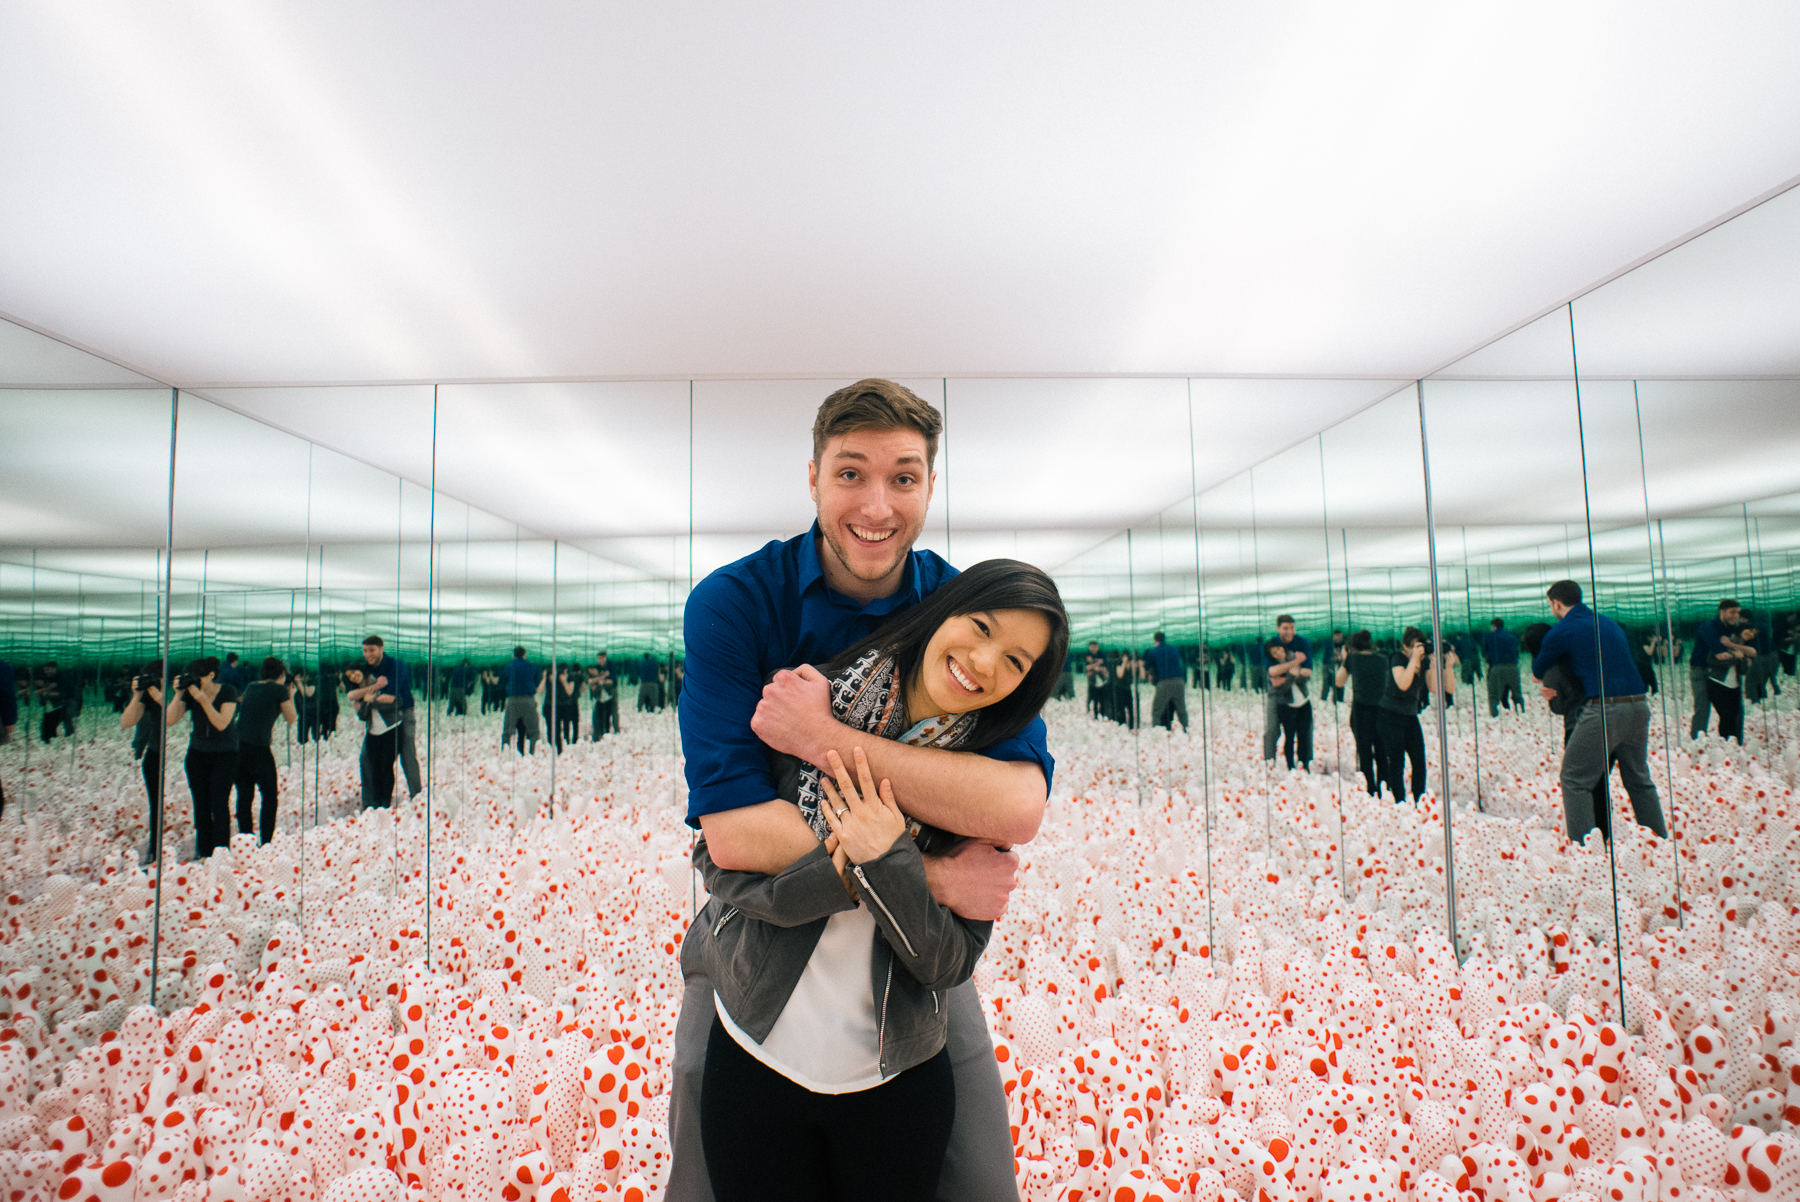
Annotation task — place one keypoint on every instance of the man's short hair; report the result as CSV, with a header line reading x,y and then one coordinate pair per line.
x,y
1157,637
518,653
273,669
1728,603
876,405
373,640
1285,620
1498,623
231,657
1564,592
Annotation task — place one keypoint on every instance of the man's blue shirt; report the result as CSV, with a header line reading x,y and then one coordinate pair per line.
x,y
1574,637
1500,647
520,677
1297,644
1709,641
650,670
1165,662
768,611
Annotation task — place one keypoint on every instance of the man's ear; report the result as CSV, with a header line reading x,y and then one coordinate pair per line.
x,y
812,479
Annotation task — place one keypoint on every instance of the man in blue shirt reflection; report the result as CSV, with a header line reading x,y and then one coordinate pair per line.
x,y
1614,726
1170,675
1299,654
1500,647
1711,641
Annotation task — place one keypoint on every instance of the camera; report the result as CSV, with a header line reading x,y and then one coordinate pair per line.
x,y
186,681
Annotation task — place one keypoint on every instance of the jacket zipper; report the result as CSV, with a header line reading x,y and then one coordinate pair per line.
x,y
881,1026
723,919
898,929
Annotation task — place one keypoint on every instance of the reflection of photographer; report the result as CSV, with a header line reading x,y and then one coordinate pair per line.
x,y
1397,729
212,755
564,704
59,693
143,716
269,698
377,706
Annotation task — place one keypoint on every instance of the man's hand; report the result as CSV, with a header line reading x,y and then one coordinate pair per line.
x,y
794,715
1548,692
976,880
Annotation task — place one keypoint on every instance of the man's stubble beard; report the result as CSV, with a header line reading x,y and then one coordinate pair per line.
x,y
837,550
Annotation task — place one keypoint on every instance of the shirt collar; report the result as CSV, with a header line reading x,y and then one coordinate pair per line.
x,y
813,573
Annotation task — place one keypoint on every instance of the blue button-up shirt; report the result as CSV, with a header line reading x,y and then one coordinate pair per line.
x,y
1299,644
1500,647
1165,662
1709,642
1574,637
520,677
768,611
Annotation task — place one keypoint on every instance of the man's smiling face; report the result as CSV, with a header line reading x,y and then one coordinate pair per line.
x,y
872,489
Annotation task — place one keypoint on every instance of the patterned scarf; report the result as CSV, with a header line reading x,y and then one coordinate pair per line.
x,y
868,696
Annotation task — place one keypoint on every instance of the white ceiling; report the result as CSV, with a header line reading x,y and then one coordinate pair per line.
x,y
278,192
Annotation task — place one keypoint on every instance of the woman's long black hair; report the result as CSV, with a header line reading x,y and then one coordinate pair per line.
x,y
989,585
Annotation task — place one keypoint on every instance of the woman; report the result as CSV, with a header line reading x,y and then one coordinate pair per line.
x,y
212,755
1397,726
1367,675
826,1073
147,742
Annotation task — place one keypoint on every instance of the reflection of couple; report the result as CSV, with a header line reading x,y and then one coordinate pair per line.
x,y
831,1043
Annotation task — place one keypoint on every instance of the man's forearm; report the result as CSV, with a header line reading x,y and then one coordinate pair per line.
x,y
961,791
758,838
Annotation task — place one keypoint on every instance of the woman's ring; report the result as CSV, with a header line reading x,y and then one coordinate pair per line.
x,y
843,811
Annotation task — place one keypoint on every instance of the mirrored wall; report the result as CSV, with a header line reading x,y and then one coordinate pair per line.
x,y
1319,676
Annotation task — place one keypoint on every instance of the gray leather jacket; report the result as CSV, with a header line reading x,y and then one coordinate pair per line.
x,y
756,934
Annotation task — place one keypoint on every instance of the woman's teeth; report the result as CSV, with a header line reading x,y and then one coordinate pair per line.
x,y
872,536
957,674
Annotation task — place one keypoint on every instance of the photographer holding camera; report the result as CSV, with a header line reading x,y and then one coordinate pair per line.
x,y
146,702
264,701
212,755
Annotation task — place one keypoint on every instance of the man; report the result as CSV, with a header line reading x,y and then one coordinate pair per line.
x,y
519,680
1299,653
397,679
1097,681
1170,698
376,697
269,698
801,602
1709,649
1501,647
231,674
605,694
1287,685
1329,688
462,679
1614,726
649,684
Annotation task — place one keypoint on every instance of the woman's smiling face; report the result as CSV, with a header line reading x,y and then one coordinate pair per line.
x,y
977,659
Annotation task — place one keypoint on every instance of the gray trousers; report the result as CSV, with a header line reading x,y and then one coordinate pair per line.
x,y
1503,688
409,759
1702,703
521,717
978,1166
1590,753
1170,701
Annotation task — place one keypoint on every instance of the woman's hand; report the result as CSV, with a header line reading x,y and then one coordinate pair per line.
x,y
866,822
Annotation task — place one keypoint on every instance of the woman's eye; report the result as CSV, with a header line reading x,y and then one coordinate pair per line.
x,y
1017,666
981,626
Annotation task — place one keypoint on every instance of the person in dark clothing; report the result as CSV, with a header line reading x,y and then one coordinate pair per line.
x,y
59,694
1227,666
1562,691
1646,650
1397,726
521,682
1293,711
270,698
1614,731
605,692
1501,649
1170,676
1098,681
567,709
1710,649
231,674
306,708
9,713
493,694
377,708
462,679
143,716
650,679
212,755
1732,665
1366,672
1329,689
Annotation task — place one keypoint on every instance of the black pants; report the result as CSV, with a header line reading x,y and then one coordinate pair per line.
x,y
211,777
60,716
152,765
568,726
1729,705
256,769
306,727
606,717
1296,732
767,1138
381,749
1364,721
1401,738
459,702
